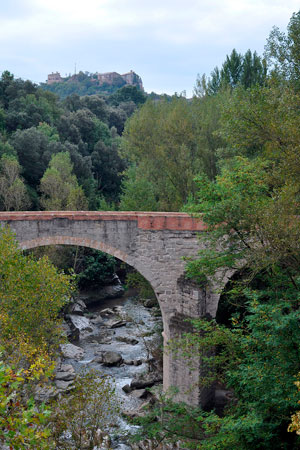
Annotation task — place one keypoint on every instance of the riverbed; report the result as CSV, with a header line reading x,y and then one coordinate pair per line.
x,y
139,327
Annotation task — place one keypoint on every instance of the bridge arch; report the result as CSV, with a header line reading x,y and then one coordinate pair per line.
x,y
155,244
94,244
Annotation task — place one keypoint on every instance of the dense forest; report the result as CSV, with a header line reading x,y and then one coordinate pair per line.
x,y
230,154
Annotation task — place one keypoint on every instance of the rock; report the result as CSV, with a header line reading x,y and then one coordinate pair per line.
x,y
127,340
115,323
148,381
107,312
128,362
118,310
67,368
98,359
127,388
70,332
137,362
139,393
113,290
97,320
140,411
44,393
110,358
64,385
150,302
71,351
65,376
77,307
103,338
81,323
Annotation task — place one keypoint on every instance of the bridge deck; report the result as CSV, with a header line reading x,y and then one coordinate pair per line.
x,y
145,220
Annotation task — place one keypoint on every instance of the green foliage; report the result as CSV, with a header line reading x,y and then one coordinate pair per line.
x,y
245,70
86,414
160,140
282,51
169,422
59,187
137,281
95,268
22,422
232,206
13,193
31,295
128,93
84,83
139,193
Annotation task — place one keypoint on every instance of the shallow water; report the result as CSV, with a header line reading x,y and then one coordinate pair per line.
x,y
140,324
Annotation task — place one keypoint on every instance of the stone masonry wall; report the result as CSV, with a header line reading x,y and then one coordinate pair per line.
x,y
154,244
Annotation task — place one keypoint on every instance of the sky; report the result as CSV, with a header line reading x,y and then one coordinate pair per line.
x,y
166,42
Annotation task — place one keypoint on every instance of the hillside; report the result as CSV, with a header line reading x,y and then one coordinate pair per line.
x,y
85,83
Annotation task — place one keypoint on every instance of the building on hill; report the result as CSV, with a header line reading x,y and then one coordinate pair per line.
x,y
54,78
109,77
133,79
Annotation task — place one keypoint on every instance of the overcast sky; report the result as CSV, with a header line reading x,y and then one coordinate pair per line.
x,y
167,42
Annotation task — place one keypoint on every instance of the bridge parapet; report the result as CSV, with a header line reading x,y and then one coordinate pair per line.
x,y
145,220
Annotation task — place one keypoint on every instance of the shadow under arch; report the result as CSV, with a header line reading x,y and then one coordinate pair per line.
x,y
95,244
83,242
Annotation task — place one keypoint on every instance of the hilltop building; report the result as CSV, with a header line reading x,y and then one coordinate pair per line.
x,y
109,77
54,78
134,79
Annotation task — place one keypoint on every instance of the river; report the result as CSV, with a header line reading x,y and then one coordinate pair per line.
x,y
139,327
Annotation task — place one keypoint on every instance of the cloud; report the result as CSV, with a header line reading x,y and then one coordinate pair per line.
x,y
171,38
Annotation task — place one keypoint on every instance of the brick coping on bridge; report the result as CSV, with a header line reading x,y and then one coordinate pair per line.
x,y
145,220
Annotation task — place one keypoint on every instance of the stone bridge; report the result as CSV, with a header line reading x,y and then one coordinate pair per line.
x,y
152,243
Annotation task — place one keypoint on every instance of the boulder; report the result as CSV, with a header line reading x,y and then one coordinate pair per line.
x,y
150,302
126,388
44,393
71,351
127,340
77,307
147,381
97,320
139,393
138,362
70,332
82,324
115,323
128,362
107,312
64,385
110,358
67,368
65,376
141,411
113,290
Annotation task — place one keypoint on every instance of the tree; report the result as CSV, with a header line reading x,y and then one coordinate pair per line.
x,y
282,51
59,187
160,139
32,147
13,192
31,295
139,194
245,70
22,423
